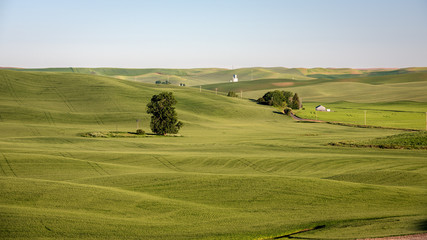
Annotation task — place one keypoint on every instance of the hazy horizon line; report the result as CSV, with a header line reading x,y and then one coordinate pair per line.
x,y
232,68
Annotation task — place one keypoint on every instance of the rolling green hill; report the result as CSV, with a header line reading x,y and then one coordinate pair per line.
x,y
402,87
239,171
387,88
194,76
204,76
261,85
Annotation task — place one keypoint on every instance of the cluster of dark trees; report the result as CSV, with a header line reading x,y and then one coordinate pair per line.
x,y
281,99
164,118
165,82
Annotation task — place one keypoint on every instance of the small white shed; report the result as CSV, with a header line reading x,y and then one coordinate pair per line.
x,y
320,108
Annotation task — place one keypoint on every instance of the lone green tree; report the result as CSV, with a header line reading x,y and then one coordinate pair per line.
x,y
164,119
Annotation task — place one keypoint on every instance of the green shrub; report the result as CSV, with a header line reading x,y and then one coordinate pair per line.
x,y
261,100
140,132
287,111
232,94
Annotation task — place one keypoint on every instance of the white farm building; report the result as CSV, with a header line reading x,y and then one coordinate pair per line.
x,y
235,79
321,108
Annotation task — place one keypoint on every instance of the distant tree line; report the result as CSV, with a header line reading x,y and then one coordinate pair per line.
x,y
165,82
281,99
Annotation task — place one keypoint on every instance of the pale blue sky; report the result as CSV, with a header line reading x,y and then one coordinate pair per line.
x,y
221,33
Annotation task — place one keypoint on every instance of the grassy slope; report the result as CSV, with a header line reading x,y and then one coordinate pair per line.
x,y
384,97
411,140
255,86
195,77
402,114
190,77
375,86
240,171
203,76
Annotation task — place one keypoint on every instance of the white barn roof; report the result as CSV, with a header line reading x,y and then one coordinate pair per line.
x,y
320,108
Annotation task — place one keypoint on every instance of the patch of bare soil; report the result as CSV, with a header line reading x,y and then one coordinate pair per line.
x,y
283,84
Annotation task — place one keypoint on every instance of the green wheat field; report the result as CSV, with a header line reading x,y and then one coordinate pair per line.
x,y
238,170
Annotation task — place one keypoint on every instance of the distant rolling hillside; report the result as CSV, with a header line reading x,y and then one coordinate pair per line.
x,y
391,78
208,76
56,97
190,77
239,170
397,87
352,73
261,84
248,74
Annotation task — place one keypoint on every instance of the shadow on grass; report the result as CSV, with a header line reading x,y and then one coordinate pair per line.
x,y
422,225
306,122
290,236
156,135
134,133
118,134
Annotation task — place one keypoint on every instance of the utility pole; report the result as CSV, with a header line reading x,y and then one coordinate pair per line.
x,y
216,91
200,88
241,93
252,74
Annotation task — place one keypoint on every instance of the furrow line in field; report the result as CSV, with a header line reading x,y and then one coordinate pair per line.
x,y
50,230
47,118
64,99
102,169
51,118
114,103
71,155
33,131
66,155
8,164
252,165
98,120
95,169
1,167
167,163
12,90
127,192
173,165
